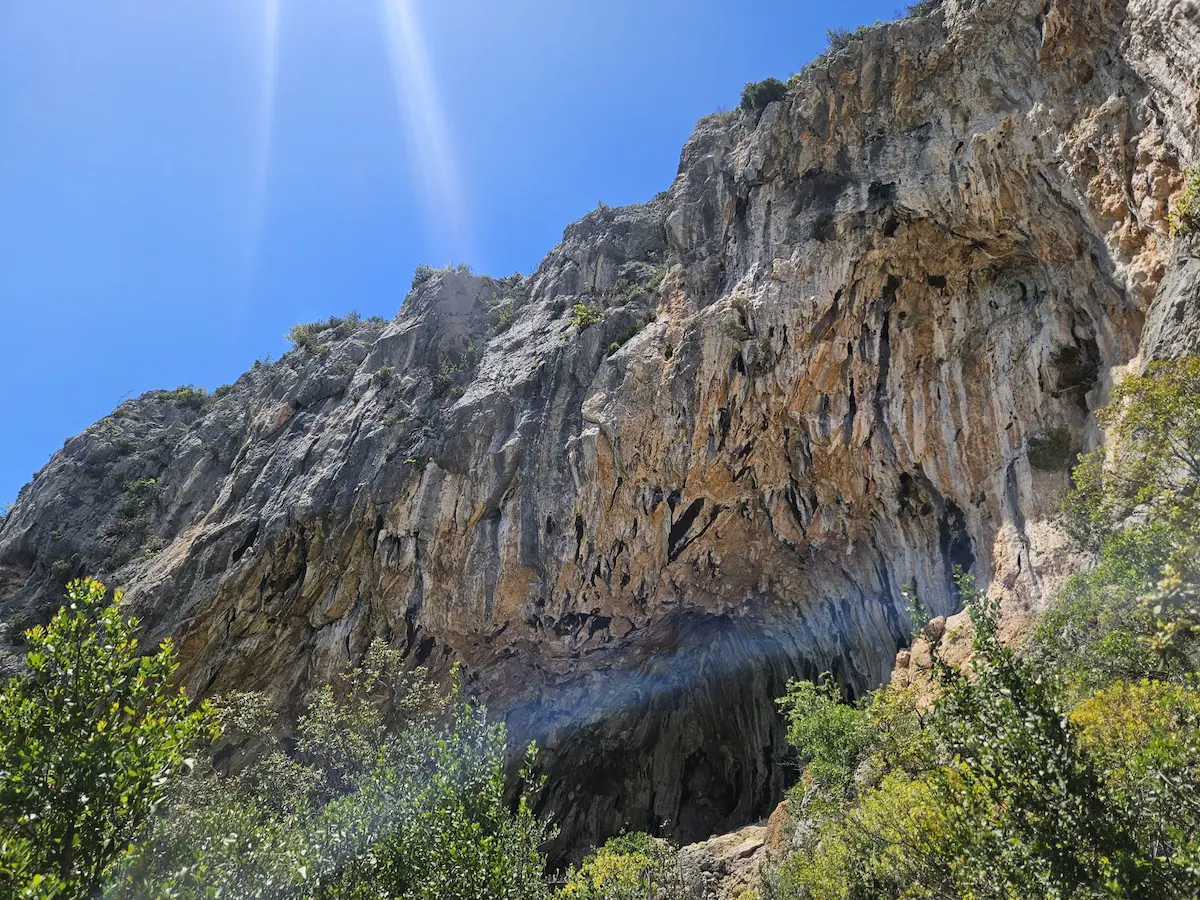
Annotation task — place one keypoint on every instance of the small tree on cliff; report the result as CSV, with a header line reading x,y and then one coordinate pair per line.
x,y
90,739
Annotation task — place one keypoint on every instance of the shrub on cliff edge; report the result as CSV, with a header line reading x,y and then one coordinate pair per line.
x,y
758,95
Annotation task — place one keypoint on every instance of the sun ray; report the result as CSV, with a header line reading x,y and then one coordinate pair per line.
x,y
264,133
417,97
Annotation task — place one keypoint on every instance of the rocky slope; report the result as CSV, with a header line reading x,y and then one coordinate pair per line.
x,y
859,337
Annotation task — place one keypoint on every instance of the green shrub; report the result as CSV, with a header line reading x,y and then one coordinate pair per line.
x,y
408,803
584,316
628,867
758,95
840,38
625,336
1184,218
302,337
1150,471
305,336
1000,791
1153,463
93,736
422,274
186,395
830,734
139,496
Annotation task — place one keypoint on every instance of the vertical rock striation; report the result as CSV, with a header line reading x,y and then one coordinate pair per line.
x,y
825,354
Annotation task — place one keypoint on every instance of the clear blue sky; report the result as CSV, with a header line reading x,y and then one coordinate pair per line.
x,y
180,181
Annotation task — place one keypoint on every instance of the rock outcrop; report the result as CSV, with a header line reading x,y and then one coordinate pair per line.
x,y
826,357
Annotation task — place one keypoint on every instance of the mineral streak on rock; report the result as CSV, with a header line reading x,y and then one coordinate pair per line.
x,y
823,356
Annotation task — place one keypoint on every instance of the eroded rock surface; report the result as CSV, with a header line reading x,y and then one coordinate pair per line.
x,y
824,356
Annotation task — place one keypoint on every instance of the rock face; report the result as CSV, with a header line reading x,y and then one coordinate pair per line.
x,y
826,357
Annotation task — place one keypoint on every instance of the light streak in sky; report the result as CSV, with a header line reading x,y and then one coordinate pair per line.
x,y
417,97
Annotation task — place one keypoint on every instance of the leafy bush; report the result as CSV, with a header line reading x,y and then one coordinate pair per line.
x,y
305,336
628,867
625,336
390,792
187,396
999,793
1151,472
584,316
91,740
1184,218
139,496
421,274
840,38
504,316
758,95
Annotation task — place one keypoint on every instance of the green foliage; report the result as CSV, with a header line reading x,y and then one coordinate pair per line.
x,y
310,335
391,792
758,95
138,497
1145,737
831,734
503,317
839,38
584,316
625,336
91,739
423,273
1184,218
1002,792
1014,761
628,867
723,116
1100,628
451,367
19,875
1152,462
187,396
1150,471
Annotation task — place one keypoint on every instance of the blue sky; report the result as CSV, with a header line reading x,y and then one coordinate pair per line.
x,y
181,181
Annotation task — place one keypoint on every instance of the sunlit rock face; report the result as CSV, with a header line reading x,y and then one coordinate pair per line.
x,y
839,333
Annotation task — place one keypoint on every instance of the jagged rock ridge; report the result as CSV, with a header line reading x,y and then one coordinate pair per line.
x,y
840,332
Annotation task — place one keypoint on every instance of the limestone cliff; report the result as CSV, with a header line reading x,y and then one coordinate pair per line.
x,y
843,333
